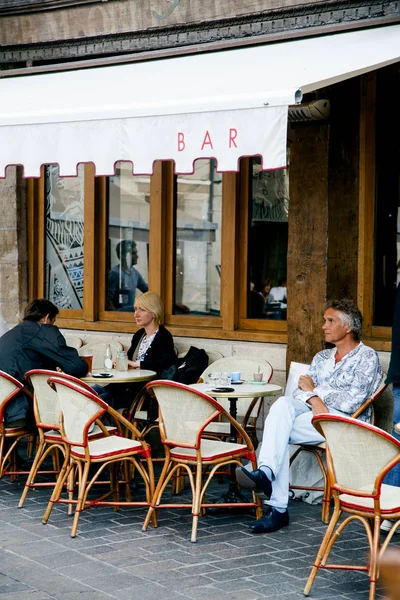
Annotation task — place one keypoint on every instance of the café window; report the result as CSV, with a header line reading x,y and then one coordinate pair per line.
x,y
267,243
197,245
128,198
387,200
64,238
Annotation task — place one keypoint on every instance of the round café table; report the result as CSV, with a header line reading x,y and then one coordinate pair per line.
x,y
244,390
129,376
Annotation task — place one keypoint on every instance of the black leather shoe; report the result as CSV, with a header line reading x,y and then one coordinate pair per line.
x,y
253,480
272,521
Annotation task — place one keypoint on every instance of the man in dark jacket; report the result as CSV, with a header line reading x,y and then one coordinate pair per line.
x,y
36,343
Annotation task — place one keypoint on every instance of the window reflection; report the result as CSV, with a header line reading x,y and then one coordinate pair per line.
x,y
268,243
198,241
64,199
128,238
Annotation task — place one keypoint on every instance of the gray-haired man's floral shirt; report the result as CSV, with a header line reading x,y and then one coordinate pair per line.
x,y
345,385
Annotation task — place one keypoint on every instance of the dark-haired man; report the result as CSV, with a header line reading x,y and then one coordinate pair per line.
x,y
123,279
36,343
339,380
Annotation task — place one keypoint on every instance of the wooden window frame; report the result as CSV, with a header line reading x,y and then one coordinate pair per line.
x,y
232,324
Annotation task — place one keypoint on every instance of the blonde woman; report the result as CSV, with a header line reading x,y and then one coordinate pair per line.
x,y
152,346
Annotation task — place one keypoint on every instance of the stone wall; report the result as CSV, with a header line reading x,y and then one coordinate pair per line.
x,y
13,247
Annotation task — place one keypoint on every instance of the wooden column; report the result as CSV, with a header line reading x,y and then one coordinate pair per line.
x,y
323,223
308,241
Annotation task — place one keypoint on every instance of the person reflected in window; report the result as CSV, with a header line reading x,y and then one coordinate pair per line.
x,y
279,293
266,289
123,279
256,303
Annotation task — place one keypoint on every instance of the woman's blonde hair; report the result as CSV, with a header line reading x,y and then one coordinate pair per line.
x,y
151,302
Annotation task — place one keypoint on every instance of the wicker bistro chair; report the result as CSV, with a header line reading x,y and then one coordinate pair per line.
x,y
73,340
319,450
358,459
47,412
247,413
10,436
184,413
80,408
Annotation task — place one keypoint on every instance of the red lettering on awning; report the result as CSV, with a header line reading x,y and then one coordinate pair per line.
x,y
181,141
232,136
207,141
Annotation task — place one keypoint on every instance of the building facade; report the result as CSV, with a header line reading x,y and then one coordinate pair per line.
x,y
244,261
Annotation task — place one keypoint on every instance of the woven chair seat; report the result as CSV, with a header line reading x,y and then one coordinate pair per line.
x,y
107,447
218,427
390,499
55,436
210,450
17,430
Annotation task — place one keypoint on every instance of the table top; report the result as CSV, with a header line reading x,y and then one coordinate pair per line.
x,y
244,390
129,376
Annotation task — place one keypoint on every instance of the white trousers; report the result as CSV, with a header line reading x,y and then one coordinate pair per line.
x,y
288,422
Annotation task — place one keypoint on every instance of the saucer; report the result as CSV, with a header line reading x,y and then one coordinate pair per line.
x,y
238,382
258,382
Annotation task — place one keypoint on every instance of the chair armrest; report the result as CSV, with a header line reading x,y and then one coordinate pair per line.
x,y
362,408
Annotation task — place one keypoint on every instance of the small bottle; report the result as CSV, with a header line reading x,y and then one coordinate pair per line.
x,y
108,361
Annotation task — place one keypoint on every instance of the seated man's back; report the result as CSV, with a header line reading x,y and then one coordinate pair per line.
x,y
36,343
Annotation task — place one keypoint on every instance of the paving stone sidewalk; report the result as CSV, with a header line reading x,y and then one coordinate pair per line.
x,y
112,558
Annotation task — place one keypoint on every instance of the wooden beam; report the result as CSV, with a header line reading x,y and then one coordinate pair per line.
x,y
308,243
366,236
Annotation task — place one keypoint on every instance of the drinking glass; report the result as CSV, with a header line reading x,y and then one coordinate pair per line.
x,y
213,379
121,361
224,379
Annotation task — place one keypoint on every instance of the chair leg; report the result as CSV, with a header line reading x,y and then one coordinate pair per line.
x,y
157,494
80,505
326,502
374,555
33,472
322,549
64,473
196,502
2,441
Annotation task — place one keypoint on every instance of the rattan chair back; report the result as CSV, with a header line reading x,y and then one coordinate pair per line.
x,y
9,387
73,341
246,367
184,413
47,406
80,408
358,452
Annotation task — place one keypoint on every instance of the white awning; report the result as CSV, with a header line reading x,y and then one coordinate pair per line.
x,y
223,105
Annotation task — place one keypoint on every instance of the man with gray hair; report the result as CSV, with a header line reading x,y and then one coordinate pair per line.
x,y
339,380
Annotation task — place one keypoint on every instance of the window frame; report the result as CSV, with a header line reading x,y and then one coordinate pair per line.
x,y
232,324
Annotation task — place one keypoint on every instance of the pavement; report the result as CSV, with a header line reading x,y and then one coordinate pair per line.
x,y
111,557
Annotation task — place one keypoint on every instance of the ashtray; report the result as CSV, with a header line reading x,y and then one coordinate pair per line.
x,y
102,375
